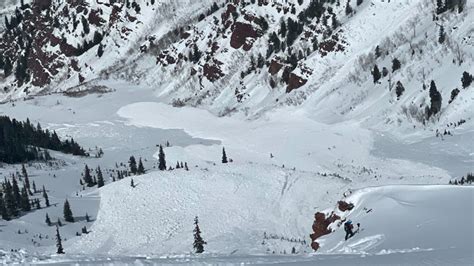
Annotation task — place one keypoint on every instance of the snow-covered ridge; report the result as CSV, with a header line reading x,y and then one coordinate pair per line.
x,y
398,219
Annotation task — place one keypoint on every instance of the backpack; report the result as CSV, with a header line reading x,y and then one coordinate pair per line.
x,y
347,226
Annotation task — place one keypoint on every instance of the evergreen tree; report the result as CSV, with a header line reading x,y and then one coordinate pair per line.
x,y
16,192
399,89
376,74
440,8
85,25
132,163
141,168
283,29
7,67
377,52
348,8
396,64
25,200
442,35
100,177
161,159
454,93
48,221
359,2
196,54
59,244
198,241
25,176
100,50
88,177
88,219
466,79
224,156
67,212
3,209
436,99
10,202
45,196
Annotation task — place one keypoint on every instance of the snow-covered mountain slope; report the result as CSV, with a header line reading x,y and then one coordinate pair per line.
x,y
238,57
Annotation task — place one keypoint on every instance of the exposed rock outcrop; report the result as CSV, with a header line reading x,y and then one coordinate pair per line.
x,y
294,82
240,33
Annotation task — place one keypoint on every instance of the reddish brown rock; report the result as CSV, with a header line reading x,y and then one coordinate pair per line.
x,y
344,206
240,33
321,227
95,19
225,15
294,82
212,71
275,67
334,44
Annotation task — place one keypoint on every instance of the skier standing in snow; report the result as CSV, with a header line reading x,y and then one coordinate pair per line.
x,y
348,226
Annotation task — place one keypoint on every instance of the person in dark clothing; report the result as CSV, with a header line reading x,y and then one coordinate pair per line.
x,y
348,227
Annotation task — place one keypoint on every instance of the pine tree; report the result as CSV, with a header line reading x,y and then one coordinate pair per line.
x,y
377,52
48,221
67,212
224,156
436,99
88,177
16,192
3,209
442,35
348,8
88,219
45,196
7,67
100,178
399,89
440,8
59,244
25,176
466,79
10,202
396,64
198,241
132,164
100,50
25,200
161,159
141,168
376,74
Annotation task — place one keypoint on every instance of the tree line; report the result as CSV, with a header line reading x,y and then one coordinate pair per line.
x,y
20,142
